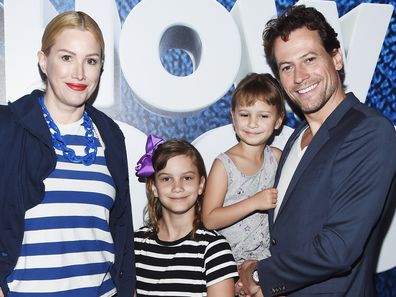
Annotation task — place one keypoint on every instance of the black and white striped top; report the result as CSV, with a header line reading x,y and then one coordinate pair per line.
x,y
185,267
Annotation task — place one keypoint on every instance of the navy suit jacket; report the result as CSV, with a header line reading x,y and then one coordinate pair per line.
x,y
325,236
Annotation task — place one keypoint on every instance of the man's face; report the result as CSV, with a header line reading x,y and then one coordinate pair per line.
x,y
308,73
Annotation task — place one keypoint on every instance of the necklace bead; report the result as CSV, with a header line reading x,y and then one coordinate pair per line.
x,y
58,142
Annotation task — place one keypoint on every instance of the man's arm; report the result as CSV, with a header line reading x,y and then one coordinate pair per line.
x,y
361,175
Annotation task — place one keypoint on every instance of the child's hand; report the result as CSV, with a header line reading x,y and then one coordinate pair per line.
x,y
265,199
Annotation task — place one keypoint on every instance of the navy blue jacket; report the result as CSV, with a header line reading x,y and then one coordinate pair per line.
x,y
28,157
325,237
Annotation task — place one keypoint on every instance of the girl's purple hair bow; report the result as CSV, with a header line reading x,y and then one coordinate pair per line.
x,y
144,167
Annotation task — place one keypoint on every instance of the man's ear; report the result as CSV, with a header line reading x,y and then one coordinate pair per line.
x,y
337,59
42,61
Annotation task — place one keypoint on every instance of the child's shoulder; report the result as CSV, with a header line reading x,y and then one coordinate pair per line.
x,y
231,155
233,151
276,152
143,232
208,235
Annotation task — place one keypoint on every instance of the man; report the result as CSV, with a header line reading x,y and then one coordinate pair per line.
x,y
333,178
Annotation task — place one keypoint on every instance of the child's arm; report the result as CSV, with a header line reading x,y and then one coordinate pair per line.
x,y
217,216
224,288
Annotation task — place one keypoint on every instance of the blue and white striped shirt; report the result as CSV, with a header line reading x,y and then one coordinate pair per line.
x,y
67,249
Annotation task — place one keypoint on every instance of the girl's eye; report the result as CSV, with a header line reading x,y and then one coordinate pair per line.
x,y
243,115
165,179
264,116
66,58
188,178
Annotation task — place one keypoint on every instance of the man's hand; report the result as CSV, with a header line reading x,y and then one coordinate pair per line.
x,y
246,286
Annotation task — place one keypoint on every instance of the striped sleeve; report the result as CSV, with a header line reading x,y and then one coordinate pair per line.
x,y
219,261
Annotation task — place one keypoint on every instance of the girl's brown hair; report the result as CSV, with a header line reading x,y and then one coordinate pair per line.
x,y
164,152
259,87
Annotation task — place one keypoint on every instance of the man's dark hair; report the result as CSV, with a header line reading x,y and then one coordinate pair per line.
x,y
296,17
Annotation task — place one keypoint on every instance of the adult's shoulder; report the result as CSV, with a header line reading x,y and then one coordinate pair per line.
x,y
22,106
4,112
370,114
367,131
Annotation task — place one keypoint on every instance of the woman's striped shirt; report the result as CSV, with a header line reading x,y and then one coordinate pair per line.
x,y
67,249
185,267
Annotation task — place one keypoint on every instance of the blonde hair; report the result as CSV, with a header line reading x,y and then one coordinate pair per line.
x,y
164,152
70,20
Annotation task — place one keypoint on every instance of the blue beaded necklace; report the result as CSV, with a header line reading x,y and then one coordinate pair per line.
x,y
58,142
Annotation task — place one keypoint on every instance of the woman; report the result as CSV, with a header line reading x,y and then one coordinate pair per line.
x,y
65,214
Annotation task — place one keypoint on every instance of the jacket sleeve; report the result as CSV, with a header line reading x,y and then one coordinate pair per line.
x,y
362,172
121,224
127,275
11,220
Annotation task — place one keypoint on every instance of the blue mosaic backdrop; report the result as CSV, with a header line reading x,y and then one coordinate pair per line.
x,y
381,96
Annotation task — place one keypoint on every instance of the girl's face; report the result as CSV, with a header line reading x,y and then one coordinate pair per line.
x,y
255,124
73,68
178,185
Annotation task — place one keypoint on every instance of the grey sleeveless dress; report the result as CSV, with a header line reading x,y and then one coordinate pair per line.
x,y
249,238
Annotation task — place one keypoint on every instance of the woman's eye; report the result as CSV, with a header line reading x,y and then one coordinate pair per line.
x,y
92,61
243,115
66,58
264,116
188,178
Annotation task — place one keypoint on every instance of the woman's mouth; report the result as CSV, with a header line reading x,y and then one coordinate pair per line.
x,y
77,87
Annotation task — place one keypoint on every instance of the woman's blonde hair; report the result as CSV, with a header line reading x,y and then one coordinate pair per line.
x,y
164,152
70,20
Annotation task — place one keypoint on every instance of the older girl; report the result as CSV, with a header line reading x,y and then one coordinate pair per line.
x,y
175,255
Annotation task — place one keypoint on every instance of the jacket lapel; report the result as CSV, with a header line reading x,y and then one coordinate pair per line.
x,y
314,147
320,139
285,153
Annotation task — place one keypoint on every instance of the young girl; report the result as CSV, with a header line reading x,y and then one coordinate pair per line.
x,y
175,255
238,190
